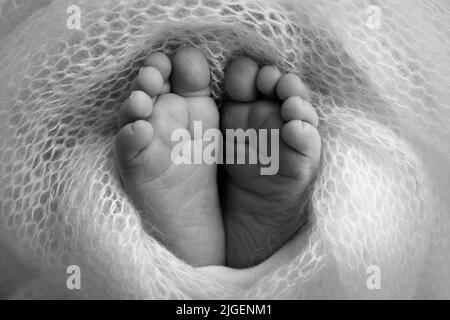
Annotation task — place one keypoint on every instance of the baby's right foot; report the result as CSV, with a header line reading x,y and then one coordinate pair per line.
x,y
263,211
180,201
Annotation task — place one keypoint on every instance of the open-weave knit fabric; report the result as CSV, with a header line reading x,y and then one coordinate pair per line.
x,y
382,95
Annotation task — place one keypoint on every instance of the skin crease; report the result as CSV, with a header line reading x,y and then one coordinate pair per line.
x,y
433,282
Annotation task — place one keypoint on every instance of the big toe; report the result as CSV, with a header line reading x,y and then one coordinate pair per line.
x,y
240,79
190,73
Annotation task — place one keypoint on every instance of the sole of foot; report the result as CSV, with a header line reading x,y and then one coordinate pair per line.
x,y
263,211
179,202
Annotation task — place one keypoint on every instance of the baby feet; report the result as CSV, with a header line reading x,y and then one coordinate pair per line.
x,y
179,201
261,212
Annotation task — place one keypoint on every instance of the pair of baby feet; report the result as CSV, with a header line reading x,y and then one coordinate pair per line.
x,y
255,214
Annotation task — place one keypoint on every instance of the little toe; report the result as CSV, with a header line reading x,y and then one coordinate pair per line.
x,y
240,79
291,85
138,106
267,79
190,73
132,139
150,81
302,137
295,108
161,62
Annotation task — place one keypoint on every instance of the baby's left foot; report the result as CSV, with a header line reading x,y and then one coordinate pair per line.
x,y
181,201
263,211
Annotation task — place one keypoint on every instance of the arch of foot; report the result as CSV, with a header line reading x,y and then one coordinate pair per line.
x,y
378,200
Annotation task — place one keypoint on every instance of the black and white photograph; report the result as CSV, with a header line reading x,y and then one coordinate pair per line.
x,y
224,150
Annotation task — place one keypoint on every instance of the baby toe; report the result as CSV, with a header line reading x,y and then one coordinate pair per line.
x,y
150,81
161,62
296,108
138,106
190,73
291,85
267,79
240,79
